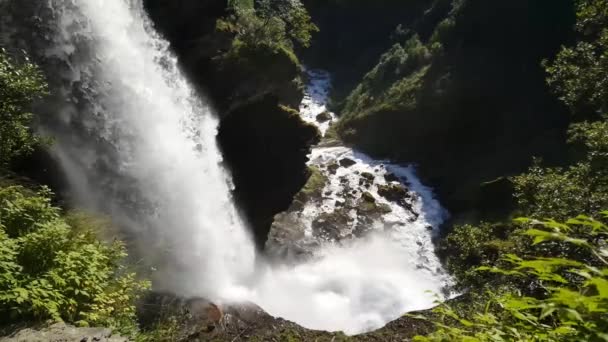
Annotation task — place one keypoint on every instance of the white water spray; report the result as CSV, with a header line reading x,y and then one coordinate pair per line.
x,y
165,181
144,151
357,284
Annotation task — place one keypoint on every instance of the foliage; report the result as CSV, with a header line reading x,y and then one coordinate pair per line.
x,y
165,329
572,304
578,74
48,270
271,23
392,86
21,83
480,245
562,192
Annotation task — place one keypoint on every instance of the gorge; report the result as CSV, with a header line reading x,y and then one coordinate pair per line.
x,y
299,170
137,143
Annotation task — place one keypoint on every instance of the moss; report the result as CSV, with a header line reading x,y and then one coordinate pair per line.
x,y
315,184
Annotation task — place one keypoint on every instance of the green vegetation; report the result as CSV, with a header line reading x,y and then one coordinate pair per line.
x,y
270,23
461,92
315,184
565,299
544,280
21,83
54,267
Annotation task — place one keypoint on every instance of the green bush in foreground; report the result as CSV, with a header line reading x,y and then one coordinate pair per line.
x,y
566,298
52,267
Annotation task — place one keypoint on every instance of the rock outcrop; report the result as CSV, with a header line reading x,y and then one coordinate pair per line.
x,y
265,145
61,332
198,321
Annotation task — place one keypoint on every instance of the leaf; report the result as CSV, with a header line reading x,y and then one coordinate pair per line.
x,y
600,284
573,314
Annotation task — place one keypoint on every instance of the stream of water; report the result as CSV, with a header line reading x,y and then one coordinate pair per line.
x,y
369,268
138,143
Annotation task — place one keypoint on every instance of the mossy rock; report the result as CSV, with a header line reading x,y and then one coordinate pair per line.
x,y
368,176
368,198
369,208
393,192
331,225
314,186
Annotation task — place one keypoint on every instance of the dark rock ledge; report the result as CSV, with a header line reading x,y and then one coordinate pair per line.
x,y
241,322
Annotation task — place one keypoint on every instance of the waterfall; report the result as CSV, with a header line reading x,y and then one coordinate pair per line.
x,y
138,143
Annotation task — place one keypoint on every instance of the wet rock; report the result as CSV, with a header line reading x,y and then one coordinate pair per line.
x,y
394,192
324,117
369,207
361,230
333,168
331,225
63,332
287,229
390,177
384,208
368,197
368,176
347,162
314,186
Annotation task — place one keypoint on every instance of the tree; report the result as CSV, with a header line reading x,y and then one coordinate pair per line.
x,y
21,83
578,74
270,23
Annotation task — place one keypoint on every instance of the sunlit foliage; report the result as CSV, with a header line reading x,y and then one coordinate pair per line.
x,y
54,267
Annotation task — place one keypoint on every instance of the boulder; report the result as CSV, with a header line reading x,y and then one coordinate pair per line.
x,y
61,332
390,177
370,208
333,168
324,117
368,176
347,162
394,192
368,198
331,225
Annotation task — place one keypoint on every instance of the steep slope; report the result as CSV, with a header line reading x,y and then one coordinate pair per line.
x,y
467,102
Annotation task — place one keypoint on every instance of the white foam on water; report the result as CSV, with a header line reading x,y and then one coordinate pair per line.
x,y
358,284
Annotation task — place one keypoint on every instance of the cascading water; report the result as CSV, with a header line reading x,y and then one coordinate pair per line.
x,y
367,239
137,143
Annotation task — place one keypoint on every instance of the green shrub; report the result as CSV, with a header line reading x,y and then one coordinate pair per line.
x,y
571,297
392,85
270,23
578,74
48,270
20,85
